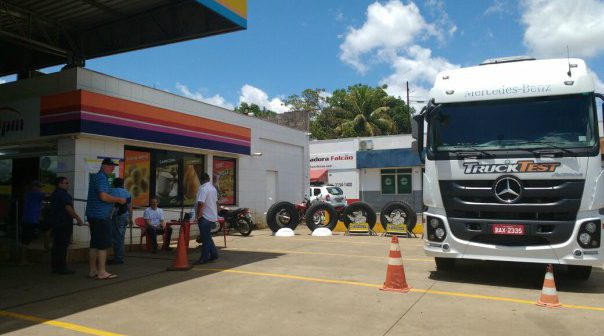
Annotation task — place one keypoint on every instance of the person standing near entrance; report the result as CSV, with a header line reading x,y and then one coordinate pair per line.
x,y
63,214
30,223
121,215
207,214
99,208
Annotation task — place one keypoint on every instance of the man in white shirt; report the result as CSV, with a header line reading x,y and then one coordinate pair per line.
x,y
206,211
156,224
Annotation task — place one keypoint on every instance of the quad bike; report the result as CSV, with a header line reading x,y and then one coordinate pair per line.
x,y
316,215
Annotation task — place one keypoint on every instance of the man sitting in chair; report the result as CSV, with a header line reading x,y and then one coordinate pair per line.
x,y
156,224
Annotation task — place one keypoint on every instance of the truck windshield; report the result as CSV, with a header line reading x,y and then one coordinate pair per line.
x,y
561,122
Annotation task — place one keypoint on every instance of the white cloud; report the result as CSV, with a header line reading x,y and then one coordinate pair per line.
x,y
392,34
389,27
254,95
2,81
216,99
551,25
419,68
498,7
598,82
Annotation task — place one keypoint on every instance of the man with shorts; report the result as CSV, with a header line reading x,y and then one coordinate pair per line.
x,y
99,208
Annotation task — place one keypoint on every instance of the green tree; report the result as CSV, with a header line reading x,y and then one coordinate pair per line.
x,y
364,112
245,108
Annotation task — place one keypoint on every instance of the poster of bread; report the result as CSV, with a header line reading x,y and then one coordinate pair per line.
x,y
193,167
224,180
136,176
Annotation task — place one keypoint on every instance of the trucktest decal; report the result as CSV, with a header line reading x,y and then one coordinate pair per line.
x,y
528,166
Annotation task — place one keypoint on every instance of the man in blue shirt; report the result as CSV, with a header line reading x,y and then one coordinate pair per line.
x,y
121,215
99,208
62,211
30,223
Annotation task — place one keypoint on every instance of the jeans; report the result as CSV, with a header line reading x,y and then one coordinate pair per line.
x,y
118,232
154,231
208,249
61,238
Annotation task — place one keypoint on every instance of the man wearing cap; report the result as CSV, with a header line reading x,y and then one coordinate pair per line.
x,y
99,207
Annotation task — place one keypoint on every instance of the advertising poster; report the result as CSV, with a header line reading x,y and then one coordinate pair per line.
x,y
224,180
136,176
193,167
166,182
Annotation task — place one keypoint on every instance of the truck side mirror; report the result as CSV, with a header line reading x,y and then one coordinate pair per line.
x,y
417,132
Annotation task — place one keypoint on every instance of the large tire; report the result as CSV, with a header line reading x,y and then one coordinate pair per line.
x,y
321,215
398,210
244,226
282,215
579,272
363,207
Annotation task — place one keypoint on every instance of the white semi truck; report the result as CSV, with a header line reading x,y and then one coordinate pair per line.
x,y
513,170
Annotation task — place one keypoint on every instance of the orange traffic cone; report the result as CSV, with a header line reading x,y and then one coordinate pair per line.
x,y
395,274
549,297
181,262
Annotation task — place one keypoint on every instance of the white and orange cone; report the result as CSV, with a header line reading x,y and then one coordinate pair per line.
x,y
549,296
395,274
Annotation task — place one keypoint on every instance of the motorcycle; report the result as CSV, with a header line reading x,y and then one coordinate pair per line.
x,y
239,219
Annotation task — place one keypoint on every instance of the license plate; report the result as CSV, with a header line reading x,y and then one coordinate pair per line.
x,y
508,229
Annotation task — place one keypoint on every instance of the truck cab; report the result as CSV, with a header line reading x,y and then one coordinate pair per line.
x,y
513,170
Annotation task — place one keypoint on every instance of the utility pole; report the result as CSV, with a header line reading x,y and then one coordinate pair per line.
x,y
407,93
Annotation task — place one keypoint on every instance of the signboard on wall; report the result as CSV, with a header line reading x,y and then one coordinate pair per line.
x,y
19,119
136,176
345,160
224,179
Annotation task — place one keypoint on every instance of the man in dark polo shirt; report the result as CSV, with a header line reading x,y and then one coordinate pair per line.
x,y
63,214
99,209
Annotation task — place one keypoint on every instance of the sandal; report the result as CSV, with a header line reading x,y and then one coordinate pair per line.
x,y
108,277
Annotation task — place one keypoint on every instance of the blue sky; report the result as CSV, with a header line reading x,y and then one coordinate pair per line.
x,y
293,45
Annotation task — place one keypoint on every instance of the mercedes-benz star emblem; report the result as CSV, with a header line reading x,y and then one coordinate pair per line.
x,y
507,189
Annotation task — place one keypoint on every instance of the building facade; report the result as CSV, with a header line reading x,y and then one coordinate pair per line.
x,y
375,170
65,123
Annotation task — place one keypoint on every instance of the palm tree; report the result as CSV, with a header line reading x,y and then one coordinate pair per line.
x,y
363,112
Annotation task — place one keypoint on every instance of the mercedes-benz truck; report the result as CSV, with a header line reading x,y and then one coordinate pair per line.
x,y
513,170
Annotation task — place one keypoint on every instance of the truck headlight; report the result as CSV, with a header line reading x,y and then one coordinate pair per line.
x,y
436,229
589,235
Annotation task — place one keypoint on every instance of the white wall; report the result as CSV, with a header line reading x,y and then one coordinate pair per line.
x,y
347,180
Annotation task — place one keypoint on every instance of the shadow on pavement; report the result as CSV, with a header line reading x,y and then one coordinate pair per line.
x,y
34,291
518,275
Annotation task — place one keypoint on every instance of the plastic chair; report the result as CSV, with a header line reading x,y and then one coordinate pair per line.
x,y
140,222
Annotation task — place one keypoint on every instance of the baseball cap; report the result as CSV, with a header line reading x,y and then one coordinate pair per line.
x,y
109,162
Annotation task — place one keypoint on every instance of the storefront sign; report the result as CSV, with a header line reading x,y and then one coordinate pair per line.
x,y
333,160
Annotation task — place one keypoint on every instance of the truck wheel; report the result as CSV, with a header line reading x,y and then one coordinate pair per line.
x,y
321,215
282,215
359,209
579,272
398,213
444,264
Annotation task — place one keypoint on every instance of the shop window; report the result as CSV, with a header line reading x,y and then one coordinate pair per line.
x,y
6,174
48,173
396,181
224,172
171,176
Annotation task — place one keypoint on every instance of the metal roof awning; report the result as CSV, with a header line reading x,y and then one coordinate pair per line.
x,y
318,175
35,34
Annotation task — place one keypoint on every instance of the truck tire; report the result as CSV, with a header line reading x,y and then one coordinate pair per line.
x,y
579,272
282,215
321,215
366,211
444,264
400,210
